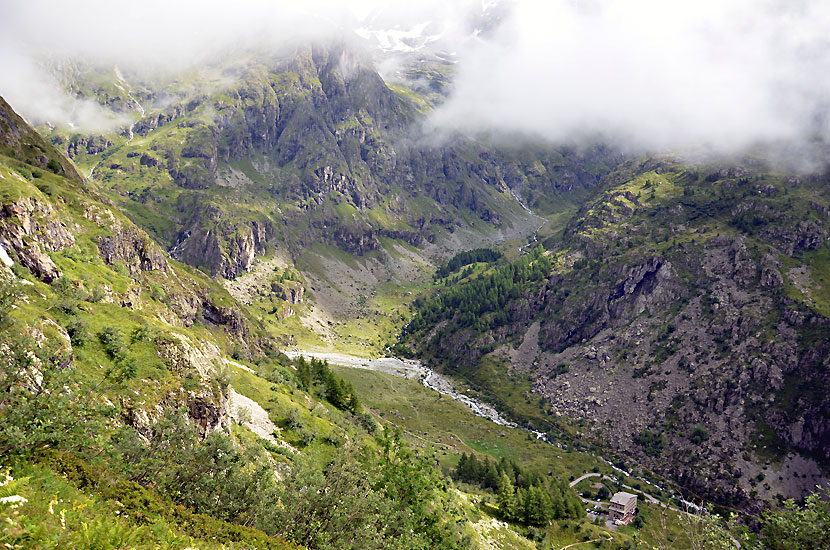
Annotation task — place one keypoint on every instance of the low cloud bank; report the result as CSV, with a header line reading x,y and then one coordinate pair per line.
x,y
702,76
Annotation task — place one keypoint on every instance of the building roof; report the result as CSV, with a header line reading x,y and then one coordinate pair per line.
x,y
622,498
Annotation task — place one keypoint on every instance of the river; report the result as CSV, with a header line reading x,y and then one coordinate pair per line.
x,y
415,370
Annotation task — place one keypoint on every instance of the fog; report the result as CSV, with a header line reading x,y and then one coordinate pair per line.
x,y
708,75
703,75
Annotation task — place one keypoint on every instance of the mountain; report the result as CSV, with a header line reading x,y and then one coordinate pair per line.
x,y
307,159
312,140
683,325
141,405
121,405
669,316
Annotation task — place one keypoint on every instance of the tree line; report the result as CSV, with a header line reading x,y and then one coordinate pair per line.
x,y
316,376
461,259
479,304
521,496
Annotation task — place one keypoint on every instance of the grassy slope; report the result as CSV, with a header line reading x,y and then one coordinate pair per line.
x,y
677,208
144,519
442,429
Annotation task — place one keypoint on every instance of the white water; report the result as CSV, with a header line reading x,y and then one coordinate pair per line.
x,y
413,370
138,105
92,170
527,209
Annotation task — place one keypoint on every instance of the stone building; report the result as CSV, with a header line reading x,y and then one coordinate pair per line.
x,y
622,507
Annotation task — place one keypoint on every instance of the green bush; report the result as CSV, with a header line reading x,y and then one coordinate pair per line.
x,y
699,435
78,330
54,166
651,442
114,342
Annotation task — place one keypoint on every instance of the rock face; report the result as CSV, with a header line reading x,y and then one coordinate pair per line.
x,y
132,249
207,415
290,291
669,311
91,145
227,248
32,229
331,155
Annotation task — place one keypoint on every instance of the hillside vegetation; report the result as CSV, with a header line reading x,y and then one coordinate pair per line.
x,y
680,321
675,319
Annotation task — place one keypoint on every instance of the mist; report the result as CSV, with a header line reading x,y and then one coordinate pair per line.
x,y
679,76
707,75
147,37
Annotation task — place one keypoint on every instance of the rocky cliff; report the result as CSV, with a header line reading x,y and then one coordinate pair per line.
x,y
112,298
312,146
685,324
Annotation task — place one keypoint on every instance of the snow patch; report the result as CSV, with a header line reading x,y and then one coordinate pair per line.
x,y
4,257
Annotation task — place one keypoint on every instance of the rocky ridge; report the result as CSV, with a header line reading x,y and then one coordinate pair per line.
x,y
675,327
312,146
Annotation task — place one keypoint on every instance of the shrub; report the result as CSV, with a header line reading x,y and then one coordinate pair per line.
x,y
78,330
699,435
651,442
113,341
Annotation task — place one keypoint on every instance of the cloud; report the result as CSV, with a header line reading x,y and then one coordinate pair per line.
x,y
151,35
35,93
719,75
164,36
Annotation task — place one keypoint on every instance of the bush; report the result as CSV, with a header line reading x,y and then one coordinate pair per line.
x,y
78,330
54,166
651,442
699,435
113,341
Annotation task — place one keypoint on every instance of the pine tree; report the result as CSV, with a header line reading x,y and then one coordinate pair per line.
x,y
535,506
473,469
463,466
335,393
491,476
354,402
506,498
304,373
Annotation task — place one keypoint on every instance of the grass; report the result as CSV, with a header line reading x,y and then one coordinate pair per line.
x,y
511,392
105,514
816,292
444,428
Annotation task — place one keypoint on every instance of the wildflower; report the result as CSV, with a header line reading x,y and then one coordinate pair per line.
x,y
63,518
6,478
14,500
52,504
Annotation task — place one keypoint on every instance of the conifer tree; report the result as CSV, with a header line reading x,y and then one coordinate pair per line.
x,y
304,373
506,498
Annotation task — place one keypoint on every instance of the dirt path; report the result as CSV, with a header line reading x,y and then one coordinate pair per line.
x,y
583,476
